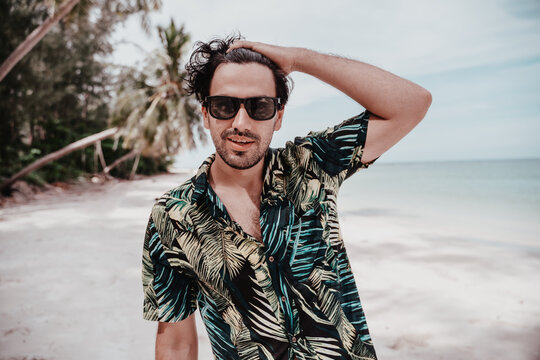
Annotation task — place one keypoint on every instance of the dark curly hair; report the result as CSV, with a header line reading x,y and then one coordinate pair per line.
x,y
208,56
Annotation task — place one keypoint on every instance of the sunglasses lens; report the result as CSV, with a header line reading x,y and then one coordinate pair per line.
x,y
261,108
226,107
223,107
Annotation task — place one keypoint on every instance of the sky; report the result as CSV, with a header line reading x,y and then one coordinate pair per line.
x,y
479,59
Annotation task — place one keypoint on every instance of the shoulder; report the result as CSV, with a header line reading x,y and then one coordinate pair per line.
x,y
301,165
295,154
175,205
336,150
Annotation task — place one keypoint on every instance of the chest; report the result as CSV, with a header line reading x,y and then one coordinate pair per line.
x,y
295,244
243,208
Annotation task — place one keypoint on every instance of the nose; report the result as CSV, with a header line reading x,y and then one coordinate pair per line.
x,y
242,120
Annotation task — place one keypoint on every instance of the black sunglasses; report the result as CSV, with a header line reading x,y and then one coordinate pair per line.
x,y
258,108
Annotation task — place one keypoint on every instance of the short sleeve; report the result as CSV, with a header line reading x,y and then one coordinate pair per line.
x,y
338,150
170,292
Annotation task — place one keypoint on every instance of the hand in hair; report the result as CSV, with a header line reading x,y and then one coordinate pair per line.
x,y
284,57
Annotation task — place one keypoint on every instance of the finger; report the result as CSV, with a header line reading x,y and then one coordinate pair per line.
x,y
241,44
237,44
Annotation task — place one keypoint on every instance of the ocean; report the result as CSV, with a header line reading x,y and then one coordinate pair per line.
x,y
493,201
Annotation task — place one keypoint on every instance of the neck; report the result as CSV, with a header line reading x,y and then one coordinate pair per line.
x,y
222,175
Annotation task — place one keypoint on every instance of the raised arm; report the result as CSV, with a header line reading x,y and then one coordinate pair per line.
x,y
177,341
397,104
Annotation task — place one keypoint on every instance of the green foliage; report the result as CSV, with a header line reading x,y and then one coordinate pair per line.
x,y
59,92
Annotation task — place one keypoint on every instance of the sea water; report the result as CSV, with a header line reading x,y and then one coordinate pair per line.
x,y
489,200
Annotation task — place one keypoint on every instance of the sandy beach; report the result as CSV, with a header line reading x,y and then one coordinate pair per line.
x,y
70,281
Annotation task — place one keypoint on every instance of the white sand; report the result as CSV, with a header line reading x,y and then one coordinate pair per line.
x,y
70,282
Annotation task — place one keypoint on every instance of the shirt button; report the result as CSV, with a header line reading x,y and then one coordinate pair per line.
x,y
271,259
293,339
283,298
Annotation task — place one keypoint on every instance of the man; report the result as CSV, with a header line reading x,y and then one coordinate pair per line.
x,y
253,239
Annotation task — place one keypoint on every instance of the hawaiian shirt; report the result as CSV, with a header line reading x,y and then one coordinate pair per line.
x,y
291,296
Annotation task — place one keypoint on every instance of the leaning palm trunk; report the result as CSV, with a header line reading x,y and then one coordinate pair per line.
x,y
120,160
135,166
36,35
98,154
80,144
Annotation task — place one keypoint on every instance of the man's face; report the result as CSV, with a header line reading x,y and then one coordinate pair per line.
x,y
241,141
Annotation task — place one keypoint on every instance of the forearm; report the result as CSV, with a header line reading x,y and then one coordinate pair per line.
x,y
386,95
177,341
379,91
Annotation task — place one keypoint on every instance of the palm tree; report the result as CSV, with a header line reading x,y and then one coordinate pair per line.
x,y
77,145
157,117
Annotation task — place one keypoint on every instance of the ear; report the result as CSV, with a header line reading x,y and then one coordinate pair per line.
x,y
206,121
277,124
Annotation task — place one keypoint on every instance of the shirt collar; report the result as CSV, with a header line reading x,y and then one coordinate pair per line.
x,y
273,184
200,180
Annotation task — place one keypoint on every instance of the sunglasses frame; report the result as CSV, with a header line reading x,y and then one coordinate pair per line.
x,y
238,101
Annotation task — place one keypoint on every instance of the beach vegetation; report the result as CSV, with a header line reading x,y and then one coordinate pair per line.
x,y
65,91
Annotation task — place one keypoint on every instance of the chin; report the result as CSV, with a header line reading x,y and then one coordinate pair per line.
x,y
241,160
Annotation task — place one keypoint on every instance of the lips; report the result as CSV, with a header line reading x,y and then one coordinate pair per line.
x,y
240,143
240,140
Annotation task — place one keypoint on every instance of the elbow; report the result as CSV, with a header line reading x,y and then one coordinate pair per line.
x,y
423,103
427,99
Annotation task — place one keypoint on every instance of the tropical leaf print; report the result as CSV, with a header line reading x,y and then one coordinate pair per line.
x,y
293,296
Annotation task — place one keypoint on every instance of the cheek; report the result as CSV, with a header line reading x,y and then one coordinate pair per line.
x,y
268,132
216,130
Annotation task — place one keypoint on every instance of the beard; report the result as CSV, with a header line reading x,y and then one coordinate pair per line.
x,y
241,160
